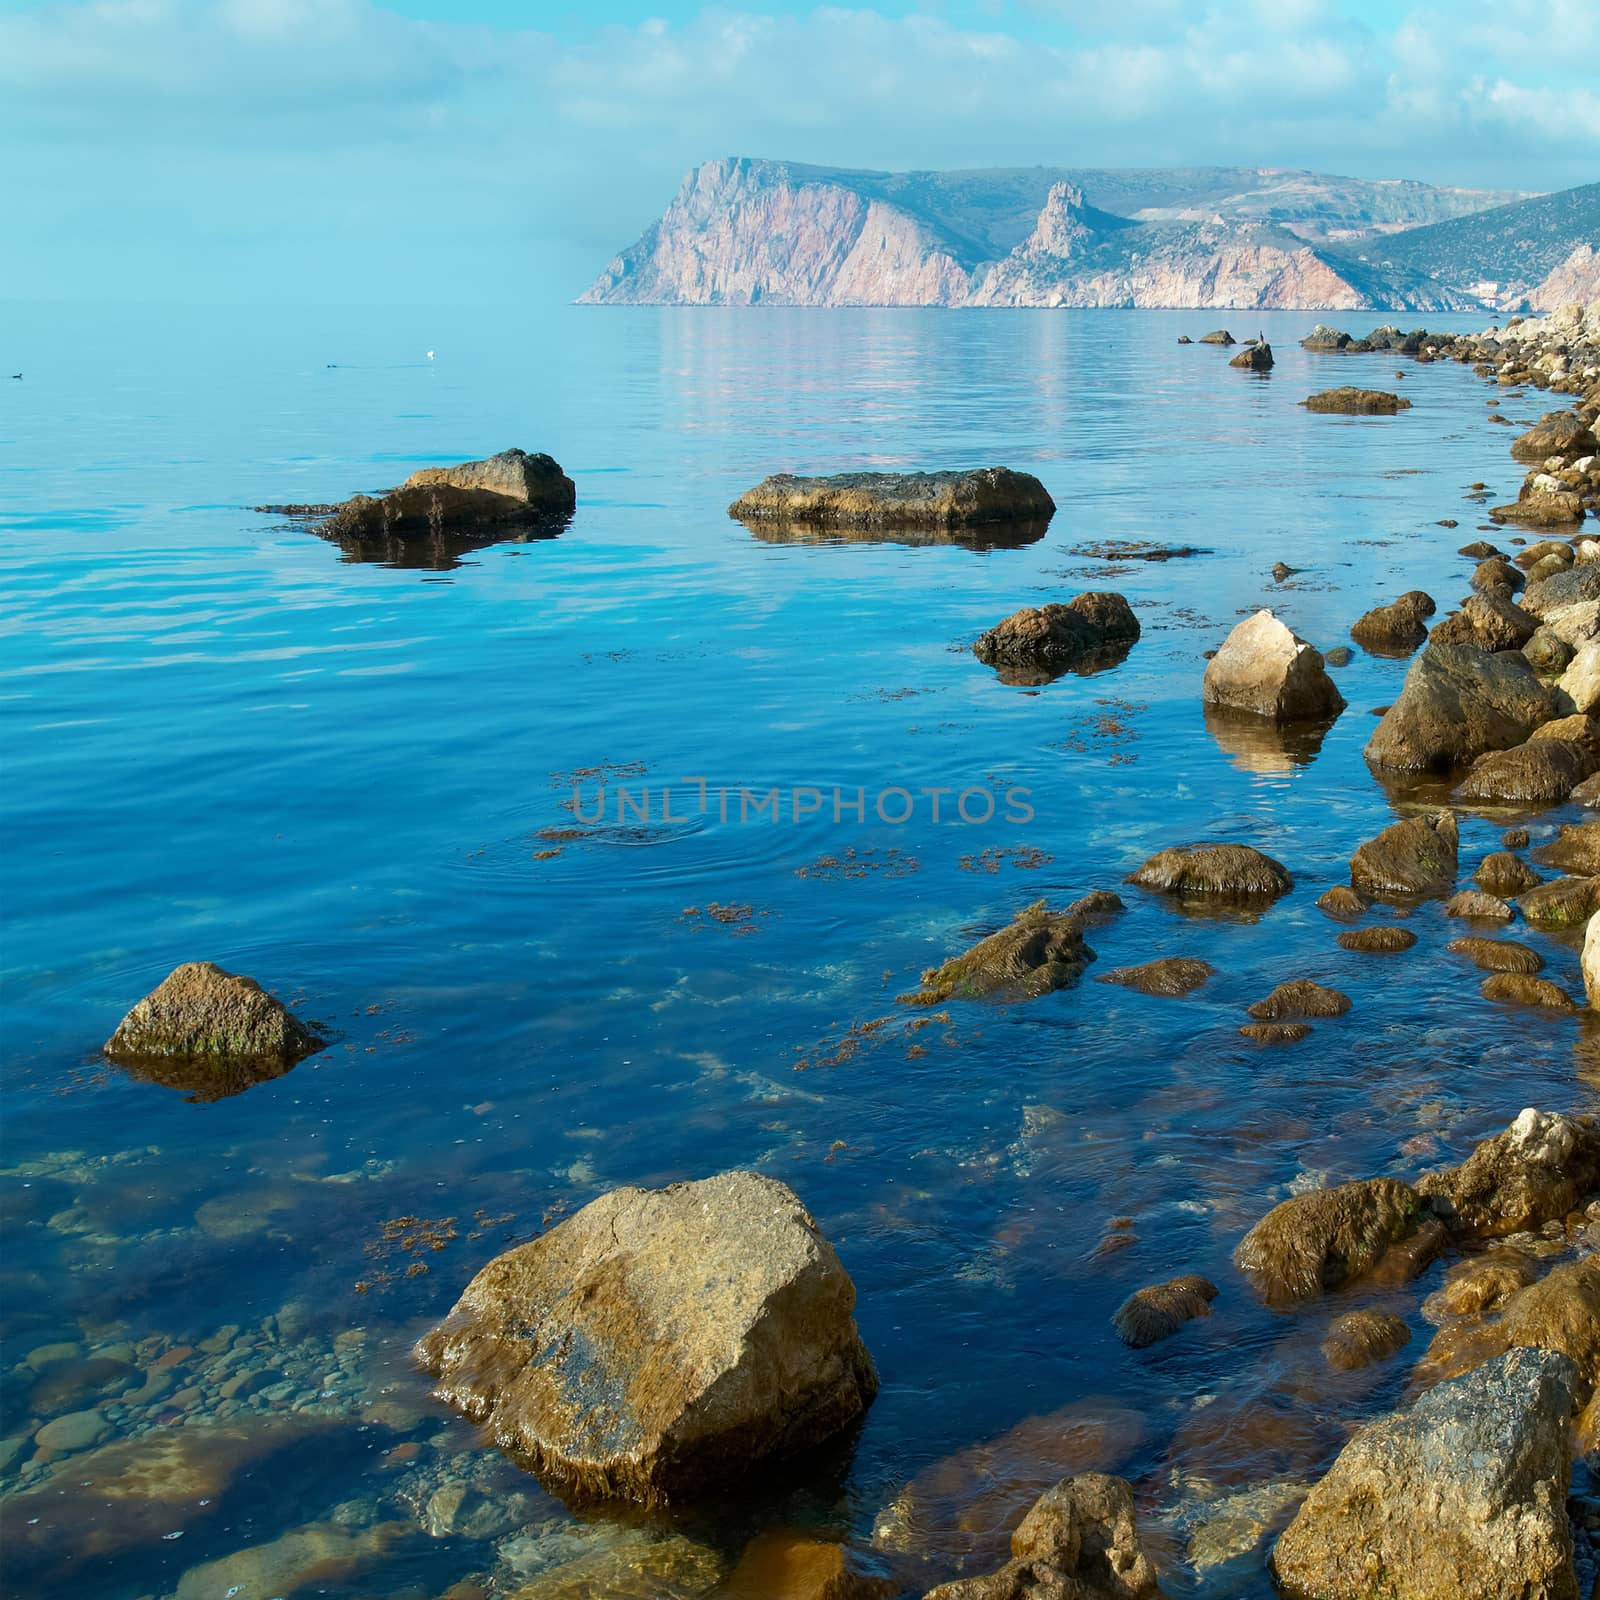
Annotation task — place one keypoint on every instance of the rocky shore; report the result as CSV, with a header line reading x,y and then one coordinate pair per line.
x,y
666,1347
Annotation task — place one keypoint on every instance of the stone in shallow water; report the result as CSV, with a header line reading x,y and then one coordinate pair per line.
x,y
791,1566
1038,643
1397,628
1538,772
304,1560
1038,951
1222,871
1360,1338
75,1431
1314,1242
1498,955
889,499
1475,905
1342,903
1381,940
1576,848
659,1342
1517,988
1171,976
1299,998
1416,856
1564,903
1463,1497
1351,402
1505,875
1276,1032
1156,1312
1267,670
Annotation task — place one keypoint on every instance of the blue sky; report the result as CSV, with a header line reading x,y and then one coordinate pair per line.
x,y
492,151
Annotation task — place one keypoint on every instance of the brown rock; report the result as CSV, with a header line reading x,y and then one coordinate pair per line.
x,y
1315,1242
1381,940
1232,872
1038,951
1557,433
1540,772
1041,642
1171,976
1079,1542
1480,1283
1360,1338
659,1341
898,499
1254,358
1276,1032
1576,848
791,1566
1505,875
1496,576
1416,856
1342,903
1299,998
1155,1313
1514,988
1265,669
1487,622
1477,906
1563,903
1397,628
1535,1172
1497,955
1357,402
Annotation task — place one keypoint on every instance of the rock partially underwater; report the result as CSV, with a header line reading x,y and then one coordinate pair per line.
x,y
440,513
1265,669
1038,643
210,1033
1039,950
898,499
660,1343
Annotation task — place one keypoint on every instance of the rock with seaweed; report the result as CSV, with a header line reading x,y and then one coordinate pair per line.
x,y
898,499
1226,872
1038,643
1039,950
1171,976
1415,857
1157,1311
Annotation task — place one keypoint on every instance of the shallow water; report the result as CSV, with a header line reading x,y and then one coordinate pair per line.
x,y
224,740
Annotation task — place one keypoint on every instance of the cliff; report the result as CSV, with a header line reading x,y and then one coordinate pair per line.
x,y
745,232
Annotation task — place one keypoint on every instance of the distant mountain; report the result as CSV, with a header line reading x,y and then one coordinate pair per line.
x,y
1500,255
743,232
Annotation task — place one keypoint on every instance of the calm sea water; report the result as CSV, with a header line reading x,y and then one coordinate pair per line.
x,y
224,740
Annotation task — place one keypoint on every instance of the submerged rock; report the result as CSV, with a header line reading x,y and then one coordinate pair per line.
x,y
1516,989
1457,703
1171,976
202,1014
1315,1242
1357,402
1230,872
659,1342
1380,941
1415,856
1497,955
1299,998
1463,1497
1342,903
1360,1338
1477,906
1039,950
1155,1313
1276,1032
1044,641
1265,669
907,499
791,1566
1396,628
1079,1542
1535,1172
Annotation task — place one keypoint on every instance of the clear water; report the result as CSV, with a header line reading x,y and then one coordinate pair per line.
x,y
224,740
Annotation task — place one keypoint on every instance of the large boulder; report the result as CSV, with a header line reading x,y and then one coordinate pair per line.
x,y
1040,642
1457,703
1415,856
201,1014
1571,586
1226,872
1079,1542
1539,772
660,1342
1264,668
898,499
1557,433
1317,1241
1534,1172
1463,1497
1357,402
1039,950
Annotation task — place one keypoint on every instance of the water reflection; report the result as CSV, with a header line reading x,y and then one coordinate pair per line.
x,y
201,1081
435,551
992,536
1258,744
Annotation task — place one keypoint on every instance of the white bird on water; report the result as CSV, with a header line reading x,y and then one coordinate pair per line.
x,y
430,355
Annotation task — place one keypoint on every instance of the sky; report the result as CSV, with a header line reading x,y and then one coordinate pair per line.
x,y
495,152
